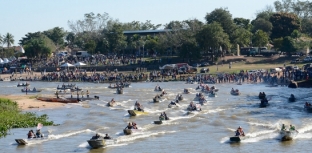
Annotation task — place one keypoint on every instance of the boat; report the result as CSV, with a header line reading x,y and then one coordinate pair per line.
x,y
173,105
158,89
308,107
237,138
75,89
119,91
111,104
158,122
30,90
192,110
235,93
212,94
23,85
261,95
99,143
156,100
264,104
136,112
26,141
291,99
288,135
61,100
127,131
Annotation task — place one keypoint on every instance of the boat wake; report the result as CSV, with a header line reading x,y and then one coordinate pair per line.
x,y
141,136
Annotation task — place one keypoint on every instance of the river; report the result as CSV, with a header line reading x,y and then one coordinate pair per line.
x,y
206,131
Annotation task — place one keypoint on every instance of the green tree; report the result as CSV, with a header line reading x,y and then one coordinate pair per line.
x,y
211,37
295,34
262,24
284,24
288,45
242,22
189,51
8,39
278,42
39,46
90,46
242,37
57,35
260,39
70,39
116,38
222,16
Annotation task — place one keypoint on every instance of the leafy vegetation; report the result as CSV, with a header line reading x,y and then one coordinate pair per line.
x,y
12,117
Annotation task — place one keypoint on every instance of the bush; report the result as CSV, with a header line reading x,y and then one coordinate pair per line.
x,y
12,117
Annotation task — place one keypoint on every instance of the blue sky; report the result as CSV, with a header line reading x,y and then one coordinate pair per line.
x,y
19,17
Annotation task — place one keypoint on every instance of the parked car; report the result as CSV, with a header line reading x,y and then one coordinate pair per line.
x,y
204,70
252,71
307,59
296,68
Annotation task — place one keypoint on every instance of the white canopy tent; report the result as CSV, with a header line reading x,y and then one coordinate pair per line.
x,y
1,61
5,60
67,65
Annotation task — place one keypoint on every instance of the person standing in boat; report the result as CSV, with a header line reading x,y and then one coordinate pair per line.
x,y
39,134
129,126
166,117
292,128
107,137
283,127
134,126
87,93
239,131
161,117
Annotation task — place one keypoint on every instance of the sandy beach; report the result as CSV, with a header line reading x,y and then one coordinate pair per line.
x,y
27,102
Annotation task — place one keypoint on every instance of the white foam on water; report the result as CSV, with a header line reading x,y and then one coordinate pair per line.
x,y
230,129
259,138
67,134
304,136
224,140
255,134
84,145
213,111
305,129
275,125
140,136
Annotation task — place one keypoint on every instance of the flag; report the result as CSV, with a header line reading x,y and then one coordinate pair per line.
x,y
39,126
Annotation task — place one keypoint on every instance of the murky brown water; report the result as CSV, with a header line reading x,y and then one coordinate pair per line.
x,y
206,131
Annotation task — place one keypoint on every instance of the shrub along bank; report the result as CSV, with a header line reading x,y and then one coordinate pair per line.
x,y
12,117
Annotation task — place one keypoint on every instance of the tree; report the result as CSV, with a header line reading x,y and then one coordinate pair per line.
x,y
70,38
295,34
284,24
260,39
1,39
222,16
242,37
242,22
115,37
57,35
90,46
288,45
190,51
211,37
8,39
262,24
278,43
39,46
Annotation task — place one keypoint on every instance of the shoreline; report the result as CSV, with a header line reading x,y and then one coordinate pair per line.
x,y
25,102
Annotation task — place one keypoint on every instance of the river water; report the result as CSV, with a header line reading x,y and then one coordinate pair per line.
x,y
206,131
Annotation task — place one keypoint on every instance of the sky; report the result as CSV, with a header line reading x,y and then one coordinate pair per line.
x,y
19,17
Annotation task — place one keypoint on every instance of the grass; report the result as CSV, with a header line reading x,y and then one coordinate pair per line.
x,y
12,117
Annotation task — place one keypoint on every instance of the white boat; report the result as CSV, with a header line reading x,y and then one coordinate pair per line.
x,y
288,135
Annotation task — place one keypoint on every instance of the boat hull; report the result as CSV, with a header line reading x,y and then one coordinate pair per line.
x,y
135,112
96,143
127,131
158,122
21,141
235,139
288,135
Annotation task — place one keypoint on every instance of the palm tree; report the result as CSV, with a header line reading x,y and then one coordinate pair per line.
x,y
8,39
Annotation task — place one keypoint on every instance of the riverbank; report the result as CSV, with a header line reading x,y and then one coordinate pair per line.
x,y
28,102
